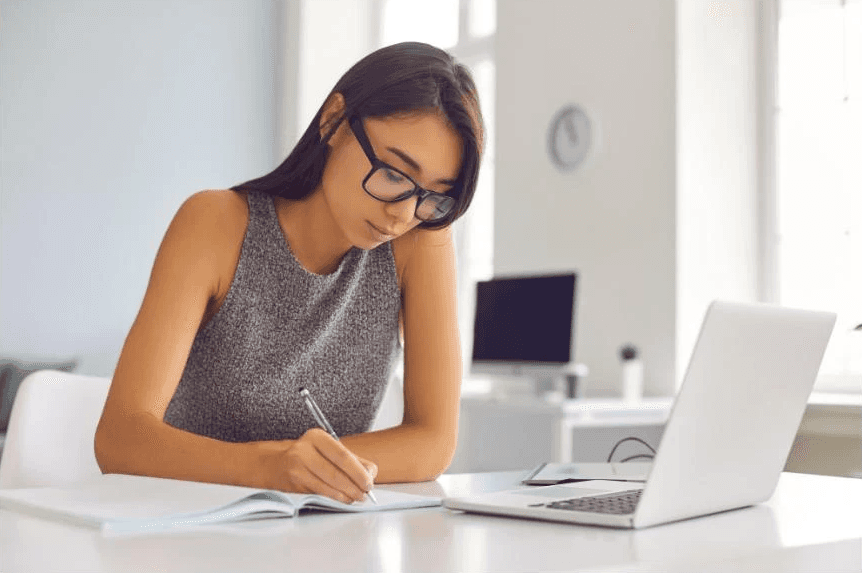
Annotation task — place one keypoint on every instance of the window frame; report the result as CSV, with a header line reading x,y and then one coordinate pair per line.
x,y
769,276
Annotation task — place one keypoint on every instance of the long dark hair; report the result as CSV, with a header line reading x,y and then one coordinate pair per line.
x,y
398,79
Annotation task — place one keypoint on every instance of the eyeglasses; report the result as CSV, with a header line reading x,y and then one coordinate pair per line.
x,y
385,183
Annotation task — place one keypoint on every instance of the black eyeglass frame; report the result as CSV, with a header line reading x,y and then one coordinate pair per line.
x,y
442,200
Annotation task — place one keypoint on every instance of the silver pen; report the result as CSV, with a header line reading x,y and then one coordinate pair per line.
x,y
321,420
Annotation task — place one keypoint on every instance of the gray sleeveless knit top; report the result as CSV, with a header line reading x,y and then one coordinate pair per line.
x,y
280,328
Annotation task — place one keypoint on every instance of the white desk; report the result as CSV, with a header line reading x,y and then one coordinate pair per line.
x,y
812,523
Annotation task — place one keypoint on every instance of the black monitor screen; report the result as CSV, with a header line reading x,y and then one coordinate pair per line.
x,y
525,319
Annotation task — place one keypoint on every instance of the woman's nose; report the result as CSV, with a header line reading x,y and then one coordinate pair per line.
x,y
402,211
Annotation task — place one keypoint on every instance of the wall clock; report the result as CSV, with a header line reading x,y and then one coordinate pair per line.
x,y
570,136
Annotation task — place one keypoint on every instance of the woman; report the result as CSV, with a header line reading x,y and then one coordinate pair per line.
x,y
308,277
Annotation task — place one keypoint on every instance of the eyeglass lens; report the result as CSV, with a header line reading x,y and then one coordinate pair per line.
x,y
390,185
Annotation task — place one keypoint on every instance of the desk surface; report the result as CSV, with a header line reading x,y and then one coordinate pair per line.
x,y
810,524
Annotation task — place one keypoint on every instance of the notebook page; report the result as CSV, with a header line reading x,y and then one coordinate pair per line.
x,y
114,497
124,503
248,508
387,500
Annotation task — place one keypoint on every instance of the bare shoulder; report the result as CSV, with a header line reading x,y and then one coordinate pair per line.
x,y
215,208
207,233
213,220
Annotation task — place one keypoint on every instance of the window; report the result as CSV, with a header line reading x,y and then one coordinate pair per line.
x,y
466,29
817,250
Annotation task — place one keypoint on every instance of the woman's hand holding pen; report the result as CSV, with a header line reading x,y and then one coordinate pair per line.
x,y
318,463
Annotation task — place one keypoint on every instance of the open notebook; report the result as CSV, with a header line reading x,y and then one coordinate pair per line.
x,y
125,503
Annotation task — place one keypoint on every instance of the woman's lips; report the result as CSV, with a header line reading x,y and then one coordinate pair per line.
x,y
379,234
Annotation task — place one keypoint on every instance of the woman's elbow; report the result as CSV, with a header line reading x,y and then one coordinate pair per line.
x,y
105,447
445,454
102,448
112,446
435,459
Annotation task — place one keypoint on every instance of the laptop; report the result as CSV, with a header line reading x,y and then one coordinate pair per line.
x,y
728,435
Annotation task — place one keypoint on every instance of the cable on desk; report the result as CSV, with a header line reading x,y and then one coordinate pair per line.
x,y
631,439
644,456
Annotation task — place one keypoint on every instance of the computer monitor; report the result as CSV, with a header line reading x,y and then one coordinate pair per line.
x,y
525,325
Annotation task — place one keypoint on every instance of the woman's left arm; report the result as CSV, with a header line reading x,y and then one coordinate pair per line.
x,y
422,447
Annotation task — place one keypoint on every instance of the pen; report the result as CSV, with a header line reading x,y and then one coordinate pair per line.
x,y
321,420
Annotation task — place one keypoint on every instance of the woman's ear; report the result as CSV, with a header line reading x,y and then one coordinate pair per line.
x,y
333,112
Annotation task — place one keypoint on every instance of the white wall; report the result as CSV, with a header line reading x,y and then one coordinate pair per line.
x,y
111,113
660,219
717,181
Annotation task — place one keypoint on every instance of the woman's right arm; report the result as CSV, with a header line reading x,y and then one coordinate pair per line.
x,y
132,438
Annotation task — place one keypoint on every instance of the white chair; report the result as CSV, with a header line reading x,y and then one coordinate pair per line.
x,y
391,412
51,430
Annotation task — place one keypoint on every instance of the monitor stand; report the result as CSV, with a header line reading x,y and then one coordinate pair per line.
x,y
548,382
564,384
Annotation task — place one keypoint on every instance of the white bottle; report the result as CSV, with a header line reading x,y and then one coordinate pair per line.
x,y
632,374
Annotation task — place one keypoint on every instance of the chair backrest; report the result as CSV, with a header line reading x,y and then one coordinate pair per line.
x,y
391,411
13,372
52,428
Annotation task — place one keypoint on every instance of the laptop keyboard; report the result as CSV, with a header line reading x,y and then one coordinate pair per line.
x,y
619,503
